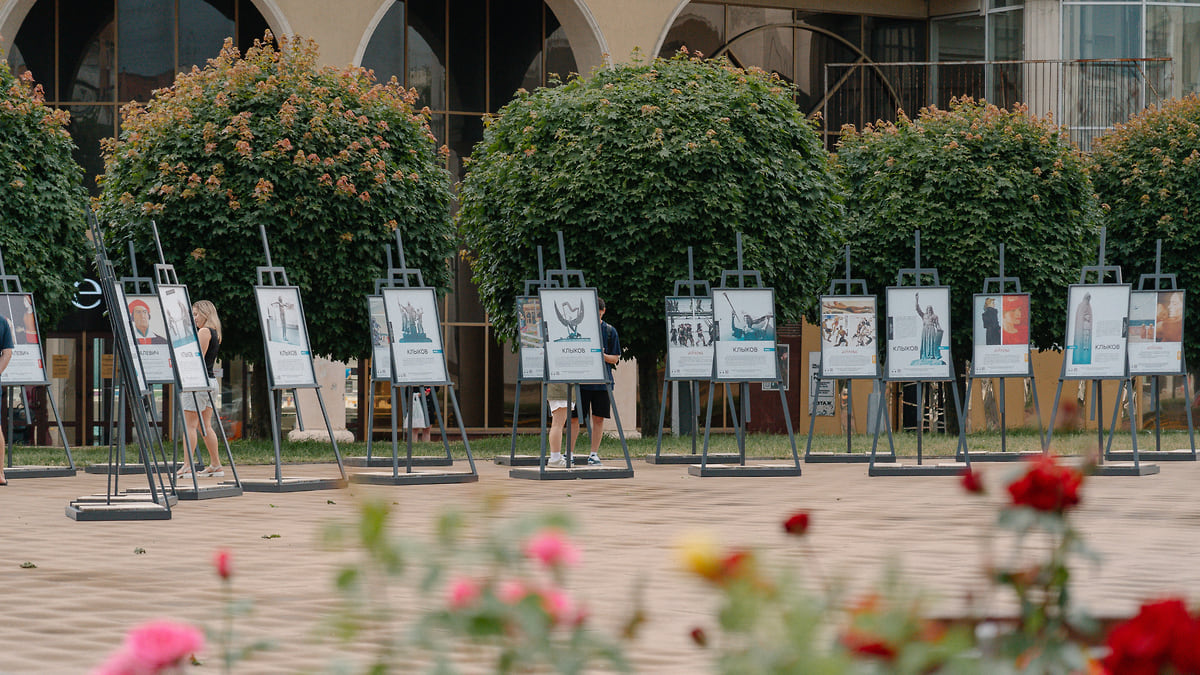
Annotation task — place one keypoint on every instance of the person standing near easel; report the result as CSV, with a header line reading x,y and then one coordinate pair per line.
x,y
6,352
594,398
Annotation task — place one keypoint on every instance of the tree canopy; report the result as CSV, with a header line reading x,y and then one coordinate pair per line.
x,y
328,161
636,163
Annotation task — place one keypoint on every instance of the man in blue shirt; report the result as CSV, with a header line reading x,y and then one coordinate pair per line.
x,y
593,398
6,352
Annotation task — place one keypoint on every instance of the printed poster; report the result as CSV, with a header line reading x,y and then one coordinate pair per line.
x,y
849,343
1156,333
418,355
1001,331
181,331
131,345
745,334
784,353
150,336
1097,329
918,333
690,338
27,365
381,356
574,351
532,349
281,317
821,391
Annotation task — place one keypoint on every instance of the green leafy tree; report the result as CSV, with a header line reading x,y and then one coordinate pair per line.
x,y
636,163
1146,174
42,205
328,161
971,178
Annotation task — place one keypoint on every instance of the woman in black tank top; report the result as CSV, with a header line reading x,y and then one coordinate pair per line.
x,y
199,404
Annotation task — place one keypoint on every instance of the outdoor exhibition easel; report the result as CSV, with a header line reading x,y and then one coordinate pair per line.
x,y
895,468
381,371
114,505
1136,468
10,283
847,284
563,276
694,288
530,291
997,286
740,420
269,277
1181,454
398,281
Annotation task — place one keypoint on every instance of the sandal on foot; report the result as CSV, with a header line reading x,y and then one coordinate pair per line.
x,y
214,472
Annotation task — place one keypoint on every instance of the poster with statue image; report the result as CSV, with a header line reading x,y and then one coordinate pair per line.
x,y
1097,331
26,365
574,351
918,333
381,354
1156,332
190,372
418,354
281,317
745,335
532,354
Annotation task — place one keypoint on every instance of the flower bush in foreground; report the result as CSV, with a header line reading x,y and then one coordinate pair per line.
x,y
159,646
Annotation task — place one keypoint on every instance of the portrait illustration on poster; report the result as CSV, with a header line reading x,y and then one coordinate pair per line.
x,y
744,347
1097,331
149,334
281,319
689,338
26,365
190,371
418,356
574,352
1001,332
848,336
381,354
529,330
918,333
139,372
1156,332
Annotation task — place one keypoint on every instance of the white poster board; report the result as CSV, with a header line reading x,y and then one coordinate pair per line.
x,y
689,338
120,312
381,356
190,373
532,347
574,351
745,335
821,392
418,355
918,333
1156,332
1097,329
1001,330
27,365
281,317
849,342
149,334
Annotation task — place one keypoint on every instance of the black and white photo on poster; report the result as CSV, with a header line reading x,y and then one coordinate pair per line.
x,y
1156,332
188,362
849,346
27,365
381,354
821,391
281,318
745,334
784,354
689,338
532,350
1000,323
574,352
918,333
418,355
1097,331
121,313
149,334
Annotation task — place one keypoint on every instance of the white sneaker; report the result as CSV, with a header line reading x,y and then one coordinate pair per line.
x,y
594,460
560,463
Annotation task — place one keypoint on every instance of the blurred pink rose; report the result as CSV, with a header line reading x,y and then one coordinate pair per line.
x,y
462,593
152,647
552,549
511,592
223,561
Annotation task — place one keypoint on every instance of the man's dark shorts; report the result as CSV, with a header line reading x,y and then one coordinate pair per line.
x,y
594,403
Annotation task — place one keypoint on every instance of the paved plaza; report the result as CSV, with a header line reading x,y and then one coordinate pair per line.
x,y
90,584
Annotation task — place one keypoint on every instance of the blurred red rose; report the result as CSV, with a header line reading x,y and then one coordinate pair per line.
x,y
972,481
1145,643
1047,486
797,524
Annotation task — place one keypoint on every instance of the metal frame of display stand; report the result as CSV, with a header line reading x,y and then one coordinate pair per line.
x,y
399,278
1182,454
741,274
268,277
810,457
571,471
10,283
920,469
1005,456
1136,468
695,289
156,503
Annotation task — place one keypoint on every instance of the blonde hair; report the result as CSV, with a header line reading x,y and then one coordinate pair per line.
x,y
209,312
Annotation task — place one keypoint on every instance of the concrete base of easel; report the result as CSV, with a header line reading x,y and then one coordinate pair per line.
x,y
38,472
839,458
531,460
189,493
749,470
143,510
583,473
130,469
293,484
1123,469
691,459
1001,456
415,478
898,469
1179,455
417,460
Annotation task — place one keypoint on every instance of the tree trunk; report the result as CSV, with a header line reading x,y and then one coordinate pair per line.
x,y
260,412
648,394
